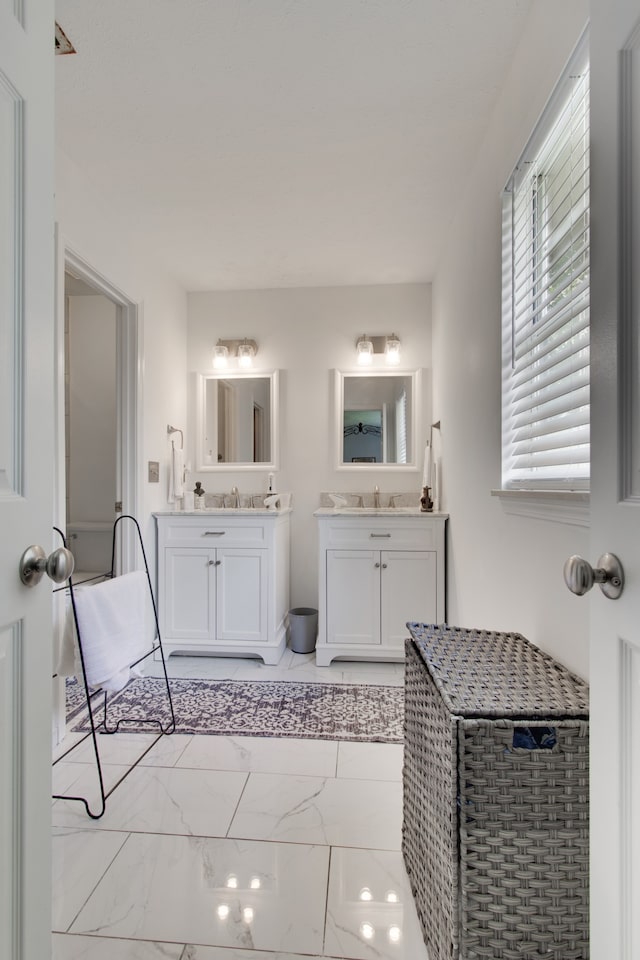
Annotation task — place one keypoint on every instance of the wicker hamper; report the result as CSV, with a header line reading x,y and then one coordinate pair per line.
x,y
496,790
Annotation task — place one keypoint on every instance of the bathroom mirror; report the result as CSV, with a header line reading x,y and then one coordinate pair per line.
x,y
237,421
376,423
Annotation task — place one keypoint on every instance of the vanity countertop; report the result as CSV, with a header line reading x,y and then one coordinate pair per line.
x,y
389,512
227,512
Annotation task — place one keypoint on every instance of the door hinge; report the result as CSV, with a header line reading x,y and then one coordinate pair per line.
x,y
118,506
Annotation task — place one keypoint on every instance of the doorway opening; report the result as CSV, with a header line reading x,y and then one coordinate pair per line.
x,y
98,396
98,411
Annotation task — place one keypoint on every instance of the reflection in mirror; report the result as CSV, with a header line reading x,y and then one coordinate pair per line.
x,y
237,421
376,418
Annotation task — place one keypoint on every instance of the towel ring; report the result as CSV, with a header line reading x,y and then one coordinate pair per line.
x,y
171,430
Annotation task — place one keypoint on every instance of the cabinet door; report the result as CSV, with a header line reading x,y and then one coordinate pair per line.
x,y
189,595
241,595
353,596
408,592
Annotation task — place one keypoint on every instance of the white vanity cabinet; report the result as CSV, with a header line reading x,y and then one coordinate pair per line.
x,y
223,582
377,571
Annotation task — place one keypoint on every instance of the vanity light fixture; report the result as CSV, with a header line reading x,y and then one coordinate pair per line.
x,y
243,350
367,347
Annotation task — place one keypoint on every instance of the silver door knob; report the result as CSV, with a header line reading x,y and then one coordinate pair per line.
x,y
580,576
34,563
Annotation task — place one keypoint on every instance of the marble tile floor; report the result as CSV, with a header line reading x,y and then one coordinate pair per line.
x,y
236,848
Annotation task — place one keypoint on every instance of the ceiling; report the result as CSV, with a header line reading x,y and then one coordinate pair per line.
x,y
283,143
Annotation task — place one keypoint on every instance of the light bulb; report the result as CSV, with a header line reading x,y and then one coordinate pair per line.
x,y
392,350
220,355
245,354
365,351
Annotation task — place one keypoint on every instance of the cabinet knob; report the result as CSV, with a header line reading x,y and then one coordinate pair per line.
x,y
376,565
210,562
218,562
384,566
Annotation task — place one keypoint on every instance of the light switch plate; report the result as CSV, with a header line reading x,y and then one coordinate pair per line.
x,y
154,471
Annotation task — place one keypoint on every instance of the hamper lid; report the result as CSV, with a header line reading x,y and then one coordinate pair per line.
x,y
482,673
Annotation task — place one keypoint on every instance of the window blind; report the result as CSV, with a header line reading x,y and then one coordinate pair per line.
x,y
546,413
401,433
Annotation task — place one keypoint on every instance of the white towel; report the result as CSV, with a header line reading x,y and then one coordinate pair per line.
x,y
114,624
176,474
68,664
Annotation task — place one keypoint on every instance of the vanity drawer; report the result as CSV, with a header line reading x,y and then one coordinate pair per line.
x,y
414,535
210,532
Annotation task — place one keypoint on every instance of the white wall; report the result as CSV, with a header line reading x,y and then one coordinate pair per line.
x,y
98,228
505,572
306,334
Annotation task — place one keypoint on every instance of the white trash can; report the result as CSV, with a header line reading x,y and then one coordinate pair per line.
x,y
303,629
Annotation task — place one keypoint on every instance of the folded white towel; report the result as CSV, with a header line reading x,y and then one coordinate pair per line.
x,y
68,664
176,474
115,626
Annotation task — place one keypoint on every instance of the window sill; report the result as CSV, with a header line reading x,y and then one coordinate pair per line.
x,y
560,506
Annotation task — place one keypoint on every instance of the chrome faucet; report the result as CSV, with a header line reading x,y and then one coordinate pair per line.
x,y
376,496
236,496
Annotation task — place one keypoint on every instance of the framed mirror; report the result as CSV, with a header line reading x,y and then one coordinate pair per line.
x,y
237,421
376,420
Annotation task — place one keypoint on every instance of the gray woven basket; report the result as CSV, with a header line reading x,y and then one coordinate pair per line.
x,y
496,817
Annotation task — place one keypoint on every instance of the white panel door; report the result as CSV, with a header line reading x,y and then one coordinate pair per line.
x,y
408,587
353,596
189,595
241,595
26,471
615,497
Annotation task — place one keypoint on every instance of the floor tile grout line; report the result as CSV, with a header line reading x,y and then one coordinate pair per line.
x,y
326,902
235,809
98,881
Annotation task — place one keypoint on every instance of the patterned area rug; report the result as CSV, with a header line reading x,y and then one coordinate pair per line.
x,y
76,699
318,711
